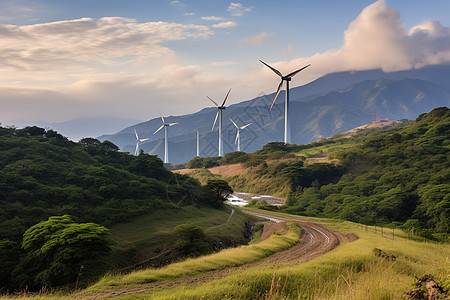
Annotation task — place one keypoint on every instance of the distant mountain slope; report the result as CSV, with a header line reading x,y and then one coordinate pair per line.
x,y
331,104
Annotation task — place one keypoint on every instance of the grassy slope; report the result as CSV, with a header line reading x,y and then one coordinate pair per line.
x,y
193,267
349,272
148,236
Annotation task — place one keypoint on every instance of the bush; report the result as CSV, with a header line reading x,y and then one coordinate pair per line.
x,y
191,240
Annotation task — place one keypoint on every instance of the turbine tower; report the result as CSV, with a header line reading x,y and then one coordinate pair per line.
x,y
198,144
219,115
138,143
166,141
287,78
238,137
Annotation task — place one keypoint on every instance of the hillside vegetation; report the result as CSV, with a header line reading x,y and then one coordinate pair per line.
x,y
351,271
43,174
398,176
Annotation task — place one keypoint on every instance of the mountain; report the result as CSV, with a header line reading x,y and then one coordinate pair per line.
x,y
80,128
331,104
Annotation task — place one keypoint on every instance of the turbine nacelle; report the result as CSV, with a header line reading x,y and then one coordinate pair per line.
x,y
138,142
287,78
238,140
166,142
220,108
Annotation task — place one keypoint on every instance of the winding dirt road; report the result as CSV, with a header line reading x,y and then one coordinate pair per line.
x,y
316,239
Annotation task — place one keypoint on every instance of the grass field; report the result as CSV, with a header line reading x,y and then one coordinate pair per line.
x,y
193,267
351,271
149,240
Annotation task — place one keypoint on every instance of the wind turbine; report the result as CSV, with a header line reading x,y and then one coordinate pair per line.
x,y
138,142
166,142
287,78
238,137
219,115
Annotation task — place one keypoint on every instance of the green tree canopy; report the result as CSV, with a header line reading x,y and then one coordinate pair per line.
x,y
191,239
59,246
219,191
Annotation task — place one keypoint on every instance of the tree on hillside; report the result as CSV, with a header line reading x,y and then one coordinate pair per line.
x,y
191,239
56,248
219,191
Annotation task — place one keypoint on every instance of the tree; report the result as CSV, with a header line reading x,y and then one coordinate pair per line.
x,y
9,253
56,249
219,191
191,239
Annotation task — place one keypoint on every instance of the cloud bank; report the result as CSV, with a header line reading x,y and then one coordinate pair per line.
x,y
119,67
257,39
238,10
107,41
377,39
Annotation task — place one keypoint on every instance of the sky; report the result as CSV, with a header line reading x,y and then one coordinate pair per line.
x,y
62,60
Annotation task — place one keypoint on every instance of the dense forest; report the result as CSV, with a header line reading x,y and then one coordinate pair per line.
x,y
88,185
401,174
398,176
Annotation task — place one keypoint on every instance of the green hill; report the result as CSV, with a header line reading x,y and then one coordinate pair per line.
x,y
43,174
398,176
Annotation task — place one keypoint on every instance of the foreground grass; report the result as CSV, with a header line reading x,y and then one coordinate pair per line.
x,y
192,267
351,271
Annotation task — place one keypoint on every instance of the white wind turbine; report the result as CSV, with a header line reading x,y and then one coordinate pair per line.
x,y
166,141
238,137
138,143
287,78
219,115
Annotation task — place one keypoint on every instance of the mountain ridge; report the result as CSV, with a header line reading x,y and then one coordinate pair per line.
x,y
320,112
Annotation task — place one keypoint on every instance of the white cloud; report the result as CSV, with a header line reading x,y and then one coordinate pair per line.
x,y
228,24
257,39
107,41
128,70
212,18
378,39
189,14
238,10
178,4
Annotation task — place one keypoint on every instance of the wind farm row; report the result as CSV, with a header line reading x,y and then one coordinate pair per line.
x,y
218,117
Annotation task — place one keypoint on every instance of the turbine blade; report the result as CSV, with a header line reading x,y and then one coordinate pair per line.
x,y
213,101
137,149
215,120
137,137
171,124
295,72
234,123
237,136
245,126
223,103
159,129
278,91
162,118
273,69
143,140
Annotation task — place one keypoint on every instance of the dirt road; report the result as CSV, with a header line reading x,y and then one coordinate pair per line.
x,y
316,240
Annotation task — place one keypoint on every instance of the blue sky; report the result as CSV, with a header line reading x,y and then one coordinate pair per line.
x,y
63,60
